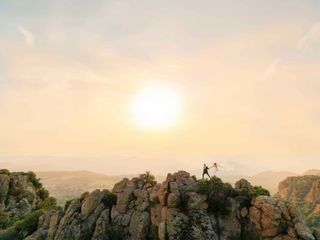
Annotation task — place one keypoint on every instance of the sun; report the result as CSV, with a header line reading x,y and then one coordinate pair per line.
x,y
156,106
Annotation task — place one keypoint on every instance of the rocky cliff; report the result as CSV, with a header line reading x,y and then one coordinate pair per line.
x,y
22,201
304,192
181,207
19,194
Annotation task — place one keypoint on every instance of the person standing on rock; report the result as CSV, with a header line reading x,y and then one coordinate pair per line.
x,y
216,166
205,171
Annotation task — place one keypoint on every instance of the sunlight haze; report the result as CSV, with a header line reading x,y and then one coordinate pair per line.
x,y
237,82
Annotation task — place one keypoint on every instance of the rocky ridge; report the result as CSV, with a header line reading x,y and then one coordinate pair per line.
x,y
178,208
20,194
304,192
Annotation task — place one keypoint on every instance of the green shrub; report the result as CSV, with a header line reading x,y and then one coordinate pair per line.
x,y
259,191
203,186
86,234
313,221
34,180
67,204
43,193
4,171
217,194
148,177
10,234
29,223
48,204
4,220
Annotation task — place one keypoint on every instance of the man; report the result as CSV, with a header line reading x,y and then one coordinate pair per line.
x,y
205,171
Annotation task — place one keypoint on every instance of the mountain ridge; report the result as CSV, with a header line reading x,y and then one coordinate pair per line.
x,y
65,185
181,207
304,192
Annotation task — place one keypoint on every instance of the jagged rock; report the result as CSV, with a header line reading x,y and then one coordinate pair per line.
x,y
102,225
317,234
19,196
202,227
139,225
155,212
271,221
177,223
162,231
304,193
38,235
243,184
124,191
196,201
244,212
303,231
172,210
90,202
118,187
230,226
4,187
173,199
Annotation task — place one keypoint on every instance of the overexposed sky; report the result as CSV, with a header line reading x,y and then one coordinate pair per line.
x,y
248,73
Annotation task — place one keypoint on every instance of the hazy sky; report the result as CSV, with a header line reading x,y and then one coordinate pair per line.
x,y
248,72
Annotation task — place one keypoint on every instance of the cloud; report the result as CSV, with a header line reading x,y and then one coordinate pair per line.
x,y
28,35
271,70
310,37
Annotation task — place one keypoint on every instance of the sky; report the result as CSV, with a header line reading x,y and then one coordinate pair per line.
x,y
248,73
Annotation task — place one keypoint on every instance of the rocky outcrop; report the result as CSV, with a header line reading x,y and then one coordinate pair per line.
x,y
300,189
174,209
304,193
275,218
18,194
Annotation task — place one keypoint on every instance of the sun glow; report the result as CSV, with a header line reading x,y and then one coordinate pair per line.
x,y
156,106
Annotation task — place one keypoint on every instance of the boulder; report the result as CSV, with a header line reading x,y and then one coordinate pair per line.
x,y
139,225
243,185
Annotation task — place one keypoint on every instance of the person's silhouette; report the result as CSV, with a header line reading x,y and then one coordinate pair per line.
x,y
216,166
205,171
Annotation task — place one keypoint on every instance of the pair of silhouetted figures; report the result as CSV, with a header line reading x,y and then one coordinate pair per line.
x,y
206,169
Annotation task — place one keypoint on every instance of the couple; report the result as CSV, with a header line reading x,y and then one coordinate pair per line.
x,y
206,168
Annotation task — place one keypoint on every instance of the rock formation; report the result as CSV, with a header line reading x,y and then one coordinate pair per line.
x,y
19,195
304,192
22,201
179,208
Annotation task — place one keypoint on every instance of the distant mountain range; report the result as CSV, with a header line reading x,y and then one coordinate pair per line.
x,y
270,179
65,185
267,179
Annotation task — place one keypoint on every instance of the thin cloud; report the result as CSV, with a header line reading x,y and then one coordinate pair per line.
x,y
271,70
28,35
310,37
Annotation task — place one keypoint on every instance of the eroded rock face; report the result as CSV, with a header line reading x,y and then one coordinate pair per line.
x,y
172,210
18,195
243,184
275,218
304,193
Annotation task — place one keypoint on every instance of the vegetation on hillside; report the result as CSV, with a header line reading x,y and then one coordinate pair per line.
x,y
219,193
17,228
